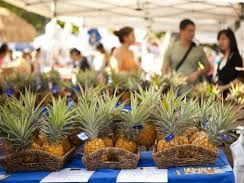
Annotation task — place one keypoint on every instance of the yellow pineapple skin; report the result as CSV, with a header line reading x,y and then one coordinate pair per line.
x,y
126,144
55,149
40,140
190,132
36,146
93,145
178,140
146,136
108,142
202,139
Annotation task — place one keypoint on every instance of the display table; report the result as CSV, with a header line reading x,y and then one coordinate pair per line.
x,y
109,175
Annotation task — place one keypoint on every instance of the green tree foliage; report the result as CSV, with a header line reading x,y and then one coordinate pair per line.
x,y
36,20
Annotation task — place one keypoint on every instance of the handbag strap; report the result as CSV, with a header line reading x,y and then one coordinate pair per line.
x,y
185,56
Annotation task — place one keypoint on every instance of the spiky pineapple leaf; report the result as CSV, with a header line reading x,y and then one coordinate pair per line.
x,y
223,117
175,113
138,115
58,123
19,120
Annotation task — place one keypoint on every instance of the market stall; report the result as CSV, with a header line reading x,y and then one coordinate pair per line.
x,y
71,122
116,130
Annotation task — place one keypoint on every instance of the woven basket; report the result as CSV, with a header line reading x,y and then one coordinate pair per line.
x,y
111,157
35,160
184,155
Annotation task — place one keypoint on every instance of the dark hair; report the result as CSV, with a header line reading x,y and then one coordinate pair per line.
x,y
184,23
125,31
4,48
75,51
100,47
231,36
38,50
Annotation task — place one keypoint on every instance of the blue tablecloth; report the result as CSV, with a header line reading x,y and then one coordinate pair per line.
x,y
109,175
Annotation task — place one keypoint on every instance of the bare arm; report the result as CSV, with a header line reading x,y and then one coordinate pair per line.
x,y
201,72
227,86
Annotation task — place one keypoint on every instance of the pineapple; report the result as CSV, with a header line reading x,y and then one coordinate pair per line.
x,y
236,93
132,122
93,145
147,135
19,121
222,118
88,93
87,78
190,132
57,127
108,141
172,117
118,83
126,83
95,116
207,90
92,122
177,80
108,106
174,81
39,141
205,107
158,81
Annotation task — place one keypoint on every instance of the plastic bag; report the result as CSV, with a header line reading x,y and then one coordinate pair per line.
x,y
237,149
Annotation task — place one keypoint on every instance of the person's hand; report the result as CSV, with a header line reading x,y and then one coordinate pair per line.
x,y
223,87
192,77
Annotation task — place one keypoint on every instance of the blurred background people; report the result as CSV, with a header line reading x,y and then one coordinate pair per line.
x,y
25,64
184,56
78,60
36,63
227,73
123,59
101,58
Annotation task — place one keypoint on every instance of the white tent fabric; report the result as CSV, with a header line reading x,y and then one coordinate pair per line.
x,y
209,15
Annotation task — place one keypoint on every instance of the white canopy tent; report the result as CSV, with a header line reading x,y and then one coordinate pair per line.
x,y
210,15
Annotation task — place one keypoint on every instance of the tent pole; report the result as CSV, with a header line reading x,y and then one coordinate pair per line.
x,y
54,8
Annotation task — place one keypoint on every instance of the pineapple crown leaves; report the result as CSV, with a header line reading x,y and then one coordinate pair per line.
x,y
92,120
18,131
96,114
87,77
205,108
236,92
175,113
152,95
59,122
223,118
157,80
88,92
19,120
213,90
139,115
119,80
176,79
108,105
54,77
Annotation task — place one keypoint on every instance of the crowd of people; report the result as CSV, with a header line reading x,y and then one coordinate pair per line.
x,y
183,56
